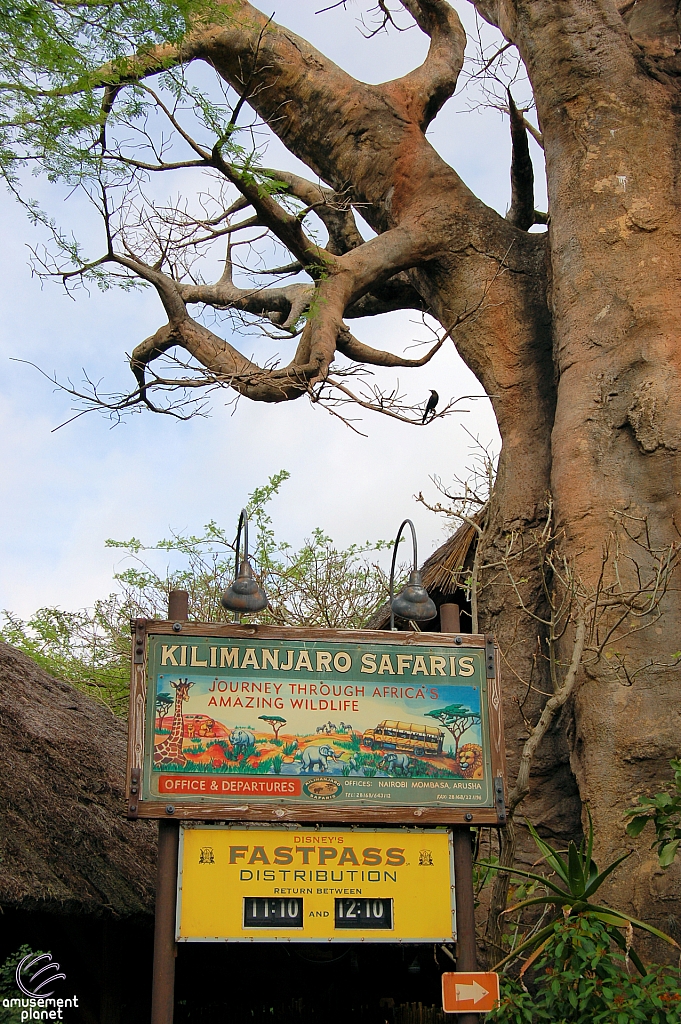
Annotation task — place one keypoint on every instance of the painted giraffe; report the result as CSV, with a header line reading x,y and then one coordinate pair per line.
x,y
170,750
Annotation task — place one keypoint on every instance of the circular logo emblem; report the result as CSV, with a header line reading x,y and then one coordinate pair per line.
x,y
322,789
33,984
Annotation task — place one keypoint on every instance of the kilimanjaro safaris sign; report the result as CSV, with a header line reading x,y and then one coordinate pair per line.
x,y
259,723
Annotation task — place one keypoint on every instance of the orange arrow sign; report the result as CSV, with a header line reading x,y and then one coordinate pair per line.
x,y
463,993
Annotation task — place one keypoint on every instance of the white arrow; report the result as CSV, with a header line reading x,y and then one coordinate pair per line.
x,y
464,993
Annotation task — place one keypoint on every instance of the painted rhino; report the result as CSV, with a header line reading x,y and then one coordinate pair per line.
x,y
241,739
317,756
394,761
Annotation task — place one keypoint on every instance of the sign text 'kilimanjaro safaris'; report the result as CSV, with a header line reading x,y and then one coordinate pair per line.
x,y
265,722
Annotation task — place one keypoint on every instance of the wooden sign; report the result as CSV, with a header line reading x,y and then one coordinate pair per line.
x,y
264,723
476,992
265,884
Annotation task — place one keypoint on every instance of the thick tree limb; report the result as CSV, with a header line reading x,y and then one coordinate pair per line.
x,y
438,247
521,211
361,353
350,277
429,86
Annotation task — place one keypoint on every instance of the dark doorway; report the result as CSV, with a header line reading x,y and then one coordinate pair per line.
x,y
290,984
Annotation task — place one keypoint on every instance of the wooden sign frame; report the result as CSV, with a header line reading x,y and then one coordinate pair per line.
x,y
209,637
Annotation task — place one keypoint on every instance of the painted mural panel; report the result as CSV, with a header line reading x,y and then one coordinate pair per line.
x,y
316,721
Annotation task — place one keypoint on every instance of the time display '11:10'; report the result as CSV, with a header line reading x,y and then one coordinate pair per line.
x,y
272,912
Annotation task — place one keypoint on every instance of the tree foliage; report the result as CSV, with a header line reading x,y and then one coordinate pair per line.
x,y
317,584
50,90
457,719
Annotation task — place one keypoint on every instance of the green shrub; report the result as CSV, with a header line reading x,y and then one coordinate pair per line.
x,y
581,979
664,811
8,985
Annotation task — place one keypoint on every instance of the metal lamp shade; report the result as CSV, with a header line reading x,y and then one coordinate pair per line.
x,y
244,595
413,601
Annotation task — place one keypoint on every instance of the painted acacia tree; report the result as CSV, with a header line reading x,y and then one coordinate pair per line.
x,y
573,333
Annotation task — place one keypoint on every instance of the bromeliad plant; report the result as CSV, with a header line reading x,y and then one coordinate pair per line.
x,y
577,879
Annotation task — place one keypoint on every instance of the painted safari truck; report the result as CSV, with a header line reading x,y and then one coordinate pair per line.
x,y
419,740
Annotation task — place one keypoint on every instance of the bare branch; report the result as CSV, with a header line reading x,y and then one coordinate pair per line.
x,y
551,709
361,353
332,208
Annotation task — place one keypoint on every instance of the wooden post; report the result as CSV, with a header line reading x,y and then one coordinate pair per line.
x,y
466,953
178,605
163,987
449,618
163,990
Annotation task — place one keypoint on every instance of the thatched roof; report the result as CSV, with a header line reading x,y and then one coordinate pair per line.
x,y
441,571
65,846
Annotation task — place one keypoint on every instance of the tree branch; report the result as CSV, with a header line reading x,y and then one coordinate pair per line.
x,y
551,709
428,87
361,353
332,208
521,212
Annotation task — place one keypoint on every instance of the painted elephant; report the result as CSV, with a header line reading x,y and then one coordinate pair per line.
x,y
315,758
242,739
394,761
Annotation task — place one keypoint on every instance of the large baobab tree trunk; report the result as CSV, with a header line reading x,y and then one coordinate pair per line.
x,y
573,333
607,97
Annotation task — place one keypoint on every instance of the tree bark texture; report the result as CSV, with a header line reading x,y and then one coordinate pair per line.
x,y
573,333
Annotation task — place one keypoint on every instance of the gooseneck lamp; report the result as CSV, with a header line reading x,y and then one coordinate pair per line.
x,y
413,602
245,594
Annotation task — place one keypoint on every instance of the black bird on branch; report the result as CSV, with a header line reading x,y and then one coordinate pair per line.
x,y
430,405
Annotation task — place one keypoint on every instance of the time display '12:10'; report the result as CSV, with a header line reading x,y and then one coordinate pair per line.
x,y
272,912
363,912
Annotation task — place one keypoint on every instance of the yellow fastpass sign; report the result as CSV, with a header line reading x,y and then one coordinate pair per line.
x,y
314,885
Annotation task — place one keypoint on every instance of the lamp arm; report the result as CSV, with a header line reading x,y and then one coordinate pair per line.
x,y
243,522
392,566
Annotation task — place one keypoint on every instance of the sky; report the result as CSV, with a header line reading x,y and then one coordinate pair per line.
x,y
67,490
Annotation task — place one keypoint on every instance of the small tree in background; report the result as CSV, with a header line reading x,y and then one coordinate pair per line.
x,y
164,702
317,584
276,721
457,719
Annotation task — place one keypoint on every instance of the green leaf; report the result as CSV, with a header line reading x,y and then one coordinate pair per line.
x,y
597,882
576,880
668,853
636,826
637,924
525,874
551,856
